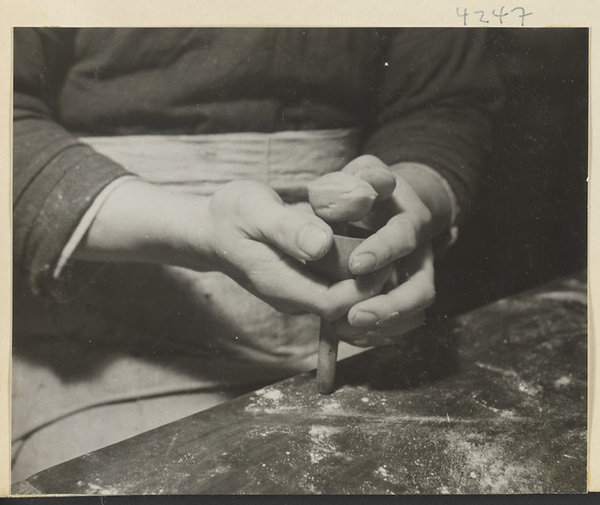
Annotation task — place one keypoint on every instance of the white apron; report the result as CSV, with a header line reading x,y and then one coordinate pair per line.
x,y
180,340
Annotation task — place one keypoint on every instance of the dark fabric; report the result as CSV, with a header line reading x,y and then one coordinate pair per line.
x,y
419,95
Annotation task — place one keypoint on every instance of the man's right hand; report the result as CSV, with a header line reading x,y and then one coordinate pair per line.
x,y
244,230
261,243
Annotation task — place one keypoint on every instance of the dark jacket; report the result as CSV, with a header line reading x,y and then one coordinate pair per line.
x,y
418,95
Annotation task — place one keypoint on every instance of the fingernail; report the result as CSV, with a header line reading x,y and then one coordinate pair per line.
x,y
363,318
363,263
312,239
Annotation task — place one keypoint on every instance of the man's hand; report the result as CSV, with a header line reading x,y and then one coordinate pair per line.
x,y
247,232
261,244
402,240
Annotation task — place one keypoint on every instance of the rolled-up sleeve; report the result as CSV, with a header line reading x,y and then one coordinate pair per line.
x,y
55,177
434,105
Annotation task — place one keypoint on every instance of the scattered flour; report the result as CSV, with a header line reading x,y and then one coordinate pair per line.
x,y
382,471
274,395
331,406
565,296
321,444
492,368
268,401
95,489
529,389
488,464
563,382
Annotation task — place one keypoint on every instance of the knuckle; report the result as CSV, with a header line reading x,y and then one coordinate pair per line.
x,y
383,249
362,161
428,298
235,189
369,159
411,235
329,311
426,216
279,231
230,197
407,231
328,314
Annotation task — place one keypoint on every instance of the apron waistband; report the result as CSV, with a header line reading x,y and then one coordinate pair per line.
x,y
286,161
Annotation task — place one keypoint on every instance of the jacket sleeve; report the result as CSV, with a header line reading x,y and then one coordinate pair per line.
x,y
55,177
434,104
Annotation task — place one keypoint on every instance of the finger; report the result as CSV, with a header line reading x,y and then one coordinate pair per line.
x,y
374,171
286,308
330,302
381,335
278,279
410,226
335,302
302,235
411,297
398,238
340,196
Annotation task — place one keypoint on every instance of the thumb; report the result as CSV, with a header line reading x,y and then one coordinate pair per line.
x,y
302,235
374,171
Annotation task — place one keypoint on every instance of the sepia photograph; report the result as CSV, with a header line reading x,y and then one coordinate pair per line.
x,y
300,261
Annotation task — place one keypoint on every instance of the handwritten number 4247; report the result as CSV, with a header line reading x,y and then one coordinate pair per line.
x,y
500,14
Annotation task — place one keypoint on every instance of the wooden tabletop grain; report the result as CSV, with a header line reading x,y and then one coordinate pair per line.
x,y
493,401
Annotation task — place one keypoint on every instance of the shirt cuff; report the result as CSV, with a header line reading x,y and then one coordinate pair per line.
x,y
86,222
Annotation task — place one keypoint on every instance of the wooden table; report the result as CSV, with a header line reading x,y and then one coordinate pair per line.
x,y
493,401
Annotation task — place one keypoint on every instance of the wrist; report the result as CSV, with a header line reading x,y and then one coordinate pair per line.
x,y
142,222
435,195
